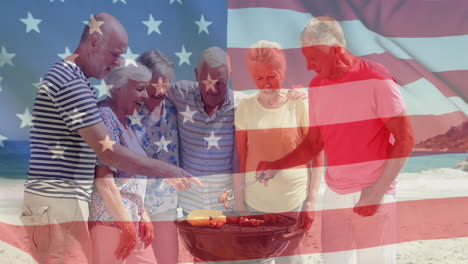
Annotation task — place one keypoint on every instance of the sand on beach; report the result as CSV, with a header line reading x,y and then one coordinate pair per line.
x,y
435,183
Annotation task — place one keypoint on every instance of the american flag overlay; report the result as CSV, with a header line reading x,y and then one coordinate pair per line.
x,y
418,49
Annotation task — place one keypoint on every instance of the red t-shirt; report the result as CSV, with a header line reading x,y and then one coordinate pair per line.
x,y
351,113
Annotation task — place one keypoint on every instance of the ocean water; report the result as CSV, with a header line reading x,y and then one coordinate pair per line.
x,y
14,158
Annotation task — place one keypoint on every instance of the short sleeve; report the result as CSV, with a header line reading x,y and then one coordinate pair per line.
x,y
114,129
388,99
303,113
240,115
77,105
312,109
171,91
180,94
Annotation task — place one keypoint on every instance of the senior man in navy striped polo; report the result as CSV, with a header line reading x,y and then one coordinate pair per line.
x,y
66,136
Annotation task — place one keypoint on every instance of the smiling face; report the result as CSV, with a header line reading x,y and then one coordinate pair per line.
x,y
132,96
157,91
213,84
267,77
106,53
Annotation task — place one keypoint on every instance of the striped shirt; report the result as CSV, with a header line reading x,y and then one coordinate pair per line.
x,y
61,163
206,146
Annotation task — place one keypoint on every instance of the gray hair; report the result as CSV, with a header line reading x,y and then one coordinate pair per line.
x,y
119,76
157,63
267,52
213,57
323,30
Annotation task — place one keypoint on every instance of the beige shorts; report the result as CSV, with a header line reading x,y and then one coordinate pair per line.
x,y
57,229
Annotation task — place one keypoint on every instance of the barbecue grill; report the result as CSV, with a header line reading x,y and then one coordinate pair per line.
x,y
233,242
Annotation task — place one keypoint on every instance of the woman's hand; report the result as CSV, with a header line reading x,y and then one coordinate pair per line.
x,y
307,215
128,239
146,229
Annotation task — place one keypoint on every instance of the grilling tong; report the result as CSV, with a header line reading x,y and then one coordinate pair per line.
x,y
228,195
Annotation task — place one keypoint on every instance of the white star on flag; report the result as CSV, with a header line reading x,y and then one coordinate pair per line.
x,y
161,85
188,115
178,1
107,143
153,25
103,89
67,54
2,138
5,57
38,83
163,143
57,151
77,117
63,1
135,118
115,1
94,25
130,58
210,83
184,56
1,79
26,118
203,25
31,23
212,141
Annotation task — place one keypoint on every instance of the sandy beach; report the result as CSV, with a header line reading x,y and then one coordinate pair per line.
x,y
435,183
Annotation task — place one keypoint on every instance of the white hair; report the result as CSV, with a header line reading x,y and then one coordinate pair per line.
x,y
323,31
213,57
265,44
119,76
266,52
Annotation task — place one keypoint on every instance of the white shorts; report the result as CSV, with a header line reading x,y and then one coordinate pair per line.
x,y
348,238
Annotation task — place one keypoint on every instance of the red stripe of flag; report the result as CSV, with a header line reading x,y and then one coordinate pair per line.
x,y
391,18
415,220
405,71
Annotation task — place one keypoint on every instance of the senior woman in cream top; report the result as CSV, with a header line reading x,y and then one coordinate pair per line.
x,y
268,126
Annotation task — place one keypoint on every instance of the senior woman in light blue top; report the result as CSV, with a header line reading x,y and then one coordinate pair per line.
x,y
156,129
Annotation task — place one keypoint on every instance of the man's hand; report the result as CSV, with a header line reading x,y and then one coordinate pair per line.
x,y
181,180
307,215
265,172
369,201
294,94
146,229
225,197
128,239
